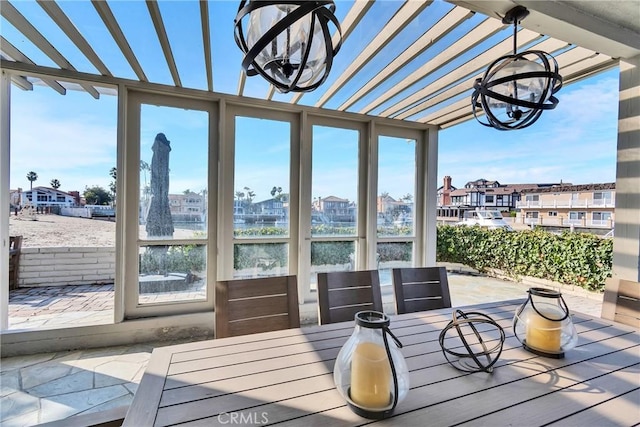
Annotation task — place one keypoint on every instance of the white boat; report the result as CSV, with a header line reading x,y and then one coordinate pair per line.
x,y
403,220
491,219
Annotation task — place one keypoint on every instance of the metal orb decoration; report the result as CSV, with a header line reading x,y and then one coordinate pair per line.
x,y
287,42
517,88
464,346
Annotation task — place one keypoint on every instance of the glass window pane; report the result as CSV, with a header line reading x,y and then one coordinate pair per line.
x,y
261,181
260,260
331,256
334,181
169,273
392,255
396,186
173,172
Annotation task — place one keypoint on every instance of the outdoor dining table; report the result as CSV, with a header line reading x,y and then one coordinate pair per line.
x,y
285,377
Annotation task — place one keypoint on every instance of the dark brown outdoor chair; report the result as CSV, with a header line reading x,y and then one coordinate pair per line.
x,y
621,301
249,306
15,245
420,289
342,294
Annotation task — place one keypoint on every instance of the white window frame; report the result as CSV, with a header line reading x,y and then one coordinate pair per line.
x,y
602,220
153,317
227,239
579,216
127,283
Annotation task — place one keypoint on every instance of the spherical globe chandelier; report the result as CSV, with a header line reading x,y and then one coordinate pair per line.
x,y
287,42
517,88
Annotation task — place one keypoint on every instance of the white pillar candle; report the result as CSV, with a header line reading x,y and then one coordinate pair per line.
x,y
543,334
370,376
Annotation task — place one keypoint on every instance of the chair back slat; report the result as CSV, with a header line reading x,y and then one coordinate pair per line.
x,y
260,324
258,307
420,289
250,306
349,296
258,287
344,293
347,313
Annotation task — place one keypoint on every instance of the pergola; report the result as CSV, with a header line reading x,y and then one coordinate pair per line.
x,y
414,74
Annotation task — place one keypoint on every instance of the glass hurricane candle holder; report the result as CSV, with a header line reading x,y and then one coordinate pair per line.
x,y
370,371
543,324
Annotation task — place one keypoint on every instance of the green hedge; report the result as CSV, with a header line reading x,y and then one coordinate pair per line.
x,y
572,258
265,256
183,259
331,253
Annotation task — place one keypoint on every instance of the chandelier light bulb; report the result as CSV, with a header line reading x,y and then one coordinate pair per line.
x,y
287,42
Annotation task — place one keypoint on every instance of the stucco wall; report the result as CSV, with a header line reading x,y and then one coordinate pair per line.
x,y
66,266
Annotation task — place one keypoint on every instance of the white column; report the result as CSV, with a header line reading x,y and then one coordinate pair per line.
x,y
304,219
431,198
5,136
626,243
119,291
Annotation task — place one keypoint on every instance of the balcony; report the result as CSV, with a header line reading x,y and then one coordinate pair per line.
x,y
564,222
567,204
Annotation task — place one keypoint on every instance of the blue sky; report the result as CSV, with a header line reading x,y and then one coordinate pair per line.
x,y
72,138
576,142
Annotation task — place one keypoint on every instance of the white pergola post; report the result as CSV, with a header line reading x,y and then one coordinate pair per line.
x,y
431,199
5,119
626,243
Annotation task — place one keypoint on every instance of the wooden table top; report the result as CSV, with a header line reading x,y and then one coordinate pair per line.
x,y
286,377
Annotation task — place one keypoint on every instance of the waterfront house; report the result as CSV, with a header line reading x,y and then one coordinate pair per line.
x,y
584,206
274,207
336,209
390,209
45,197
480,194
187,207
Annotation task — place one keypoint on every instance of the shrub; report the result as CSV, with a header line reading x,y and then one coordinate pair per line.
x,y
578,259
331,253
162,259
265,256
396,251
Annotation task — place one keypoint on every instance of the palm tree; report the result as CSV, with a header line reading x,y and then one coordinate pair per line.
x,y
250,194
55,183
113,172
32,176
275,190
144,167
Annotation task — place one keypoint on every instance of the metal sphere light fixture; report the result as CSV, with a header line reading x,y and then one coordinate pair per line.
x,y
287,42
517,88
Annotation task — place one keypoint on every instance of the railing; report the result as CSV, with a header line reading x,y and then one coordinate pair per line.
x,y
564,222
581,203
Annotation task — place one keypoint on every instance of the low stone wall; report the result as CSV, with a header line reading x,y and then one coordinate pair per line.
x,y
66,266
